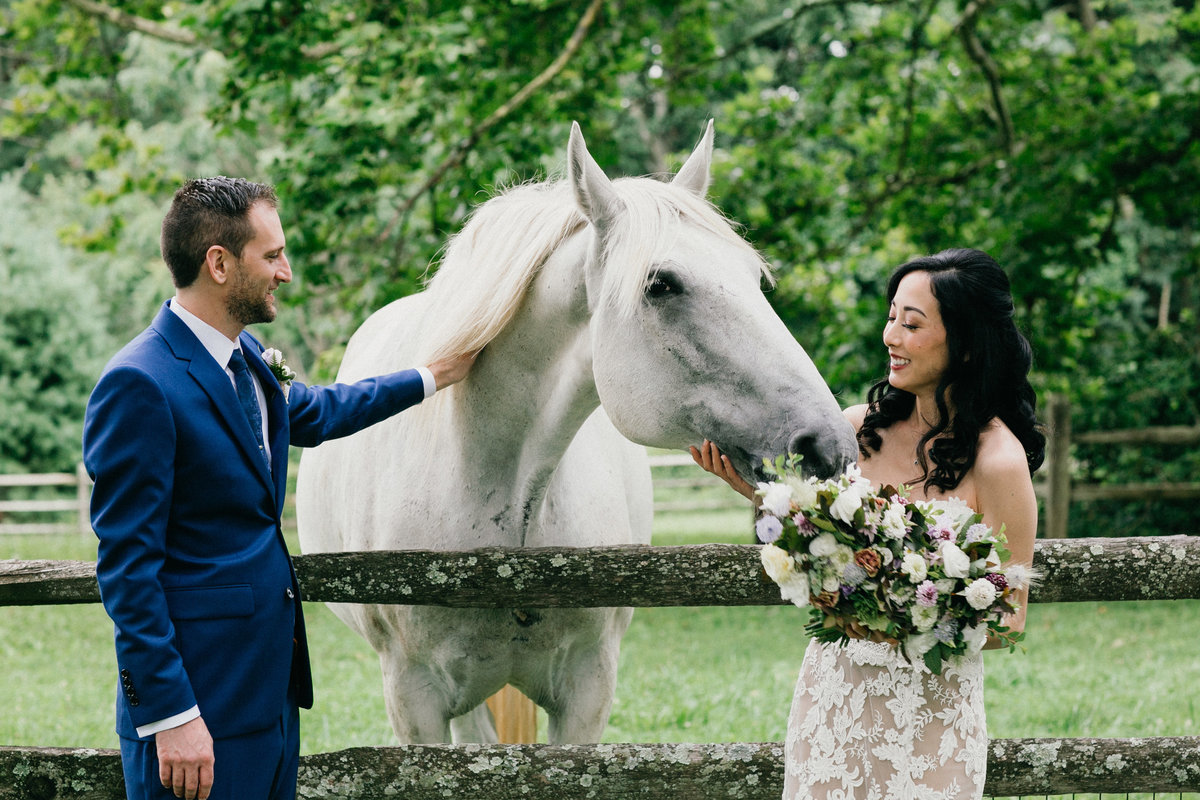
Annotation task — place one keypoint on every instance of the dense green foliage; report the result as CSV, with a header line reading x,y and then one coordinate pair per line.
x,y
1059,135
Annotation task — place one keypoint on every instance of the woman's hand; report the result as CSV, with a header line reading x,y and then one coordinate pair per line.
x,y
710,459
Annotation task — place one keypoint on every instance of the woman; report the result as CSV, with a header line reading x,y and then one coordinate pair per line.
x,y
953,418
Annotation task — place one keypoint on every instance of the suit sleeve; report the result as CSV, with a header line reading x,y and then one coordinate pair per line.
x,y
129,449
319,413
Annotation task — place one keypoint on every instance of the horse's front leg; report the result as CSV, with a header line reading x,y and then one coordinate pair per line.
x,y
418,706
582,686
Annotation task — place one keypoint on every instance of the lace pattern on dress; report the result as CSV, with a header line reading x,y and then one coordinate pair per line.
x,y
867,724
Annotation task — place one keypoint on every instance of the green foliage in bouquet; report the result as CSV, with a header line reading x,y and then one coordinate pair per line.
x,y
926,575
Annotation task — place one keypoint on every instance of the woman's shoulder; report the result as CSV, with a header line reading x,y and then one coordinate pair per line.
x,y
856,415
999,451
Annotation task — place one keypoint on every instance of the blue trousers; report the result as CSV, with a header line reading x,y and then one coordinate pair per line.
x,y
257,766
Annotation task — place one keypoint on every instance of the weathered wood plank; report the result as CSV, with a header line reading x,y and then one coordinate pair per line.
x,y
1068,766
31,583
1132,568
1112,569
753,771
1166,434
51,773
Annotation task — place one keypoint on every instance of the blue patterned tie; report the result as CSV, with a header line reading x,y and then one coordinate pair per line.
x,y
247,397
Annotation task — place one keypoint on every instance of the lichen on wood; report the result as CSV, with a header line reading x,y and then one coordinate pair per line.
x,y
1133,568
745,771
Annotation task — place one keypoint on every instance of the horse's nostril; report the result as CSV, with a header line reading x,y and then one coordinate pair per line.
x,y
815,460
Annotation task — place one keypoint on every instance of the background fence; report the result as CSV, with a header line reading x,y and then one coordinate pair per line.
x,y
680,485
70,513
1141,568
1058,489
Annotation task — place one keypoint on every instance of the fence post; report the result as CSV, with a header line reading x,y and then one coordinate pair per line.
x,y
83,497
1058,485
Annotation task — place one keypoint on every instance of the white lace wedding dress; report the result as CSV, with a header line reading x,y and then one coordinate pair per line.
x,y
868,725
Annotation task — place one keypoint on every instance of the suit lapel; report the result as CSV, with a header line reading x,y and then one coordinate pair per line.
x,y
215,382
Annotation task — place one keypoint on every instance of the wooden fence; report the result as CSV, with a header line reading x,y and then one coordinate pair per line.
x,y
1055,485
77,506
1142,568
1058,489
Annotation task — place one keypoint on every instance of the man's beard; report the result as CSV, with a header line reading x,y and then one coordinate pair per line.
x,y
245,304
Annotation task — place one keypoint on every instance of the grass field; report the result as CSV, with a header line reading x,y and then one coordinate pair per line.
x,y
687,674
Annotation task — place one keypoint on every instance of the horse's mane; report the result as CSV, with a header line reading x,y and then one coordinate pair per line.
x,y
488,266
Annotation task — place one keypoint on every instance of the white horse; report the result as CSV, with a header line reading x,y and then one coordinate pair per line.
x,y
607,308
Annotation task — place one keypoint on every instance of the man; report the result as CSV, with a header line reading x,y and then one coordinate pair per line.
x,y
186,437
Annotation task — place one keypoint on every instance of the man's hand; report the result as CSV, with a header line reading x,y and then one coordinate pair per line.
x,y
452,370
185,759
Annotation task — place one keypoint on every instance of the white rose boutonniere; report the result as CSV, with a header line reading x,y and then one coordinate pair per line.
x,y
279,368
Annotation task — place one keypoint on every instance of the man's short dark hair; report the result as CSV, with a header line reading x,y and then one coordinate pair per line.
x,y
207,212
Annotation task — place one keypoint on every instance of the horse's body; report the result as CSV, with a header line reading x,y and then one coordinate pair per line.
x,y
607,308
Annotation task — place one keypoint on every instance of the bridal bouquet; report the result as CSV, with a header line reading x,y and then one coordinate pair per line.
x,y
923,574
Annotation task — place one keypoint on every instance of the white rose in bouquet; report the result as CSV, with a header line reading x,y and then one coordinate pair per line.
x,y
956,563
913,565
776,561
804,491
845,505
823,546
980,594
776,498
975,637
894,523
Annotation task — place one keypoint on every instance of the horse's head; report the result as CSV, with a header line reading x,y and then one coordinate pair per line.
x,y
685,344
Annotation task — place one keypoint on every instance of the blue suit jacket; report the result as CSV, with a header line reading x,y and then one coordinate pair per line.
x,y
192,564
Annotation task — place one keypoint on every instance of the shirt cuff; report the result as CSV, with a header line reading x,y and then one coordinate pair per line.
x,y
430,383
169,722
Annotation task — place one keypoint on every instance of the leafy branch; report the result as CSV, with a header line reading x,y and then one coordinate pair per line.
x,y
979,54
168,33
460,150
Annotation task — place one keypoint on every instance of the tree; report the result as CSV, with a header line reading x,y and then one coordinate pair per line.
x,y
1059,135
51,347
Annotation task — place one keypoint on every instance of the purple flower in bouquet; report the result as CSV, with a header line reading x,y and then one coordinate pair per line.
x,y
978,532
945,631
768,529
927,594
941,534
853,575
802,523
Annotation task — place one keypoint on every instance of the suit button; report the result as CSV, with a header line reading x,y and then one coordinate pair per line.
x,y
289,593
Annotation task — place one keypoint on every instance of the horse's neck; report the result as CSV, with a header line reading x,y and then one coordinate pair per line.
x,y
532,390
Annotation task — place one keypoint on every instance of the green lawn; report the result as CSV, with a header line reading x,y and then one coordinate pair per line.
x,y
687,674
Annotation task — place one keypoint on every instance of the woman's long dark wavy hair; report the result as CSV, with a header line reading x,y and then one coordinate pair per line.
x,y
987,376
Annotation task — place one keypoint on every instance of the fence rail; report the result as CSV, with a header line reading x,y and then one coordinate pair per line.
x,y
78,505
1070,570
750,771
1059,488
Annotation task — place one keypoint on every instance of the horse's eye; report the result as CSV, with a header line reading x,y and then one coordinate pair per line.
x,y
661,285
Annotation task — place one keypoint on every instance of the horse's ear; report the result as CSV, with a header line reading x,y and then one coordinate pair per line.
x,y
694,173
593,189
